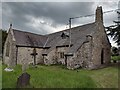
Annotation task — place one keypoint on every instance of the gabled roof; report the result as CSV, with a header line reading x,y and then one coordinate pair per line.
x,y
76,33
78,37
29,39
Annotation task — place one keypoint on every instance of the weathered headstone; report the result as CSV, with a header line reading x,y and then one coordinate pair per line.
x,y
24,67
23,80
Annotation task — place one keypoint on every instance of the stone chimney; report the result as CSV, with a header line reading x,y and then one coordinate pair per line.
x,y
99,14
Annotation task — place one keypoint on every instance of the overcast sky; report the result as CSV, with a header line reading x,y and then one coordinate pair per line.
x,y
49,17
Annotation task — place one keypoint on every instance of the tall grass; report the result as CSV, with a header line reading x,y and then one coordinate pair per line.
x,y
55,77
59,77
0,73
9,79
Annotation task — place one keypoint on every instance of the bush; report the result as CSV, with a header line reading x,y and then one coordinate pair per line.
x,y
115,58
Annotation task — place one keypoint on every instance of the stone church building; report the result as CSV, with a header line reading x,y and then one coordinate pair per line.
x,y
85,46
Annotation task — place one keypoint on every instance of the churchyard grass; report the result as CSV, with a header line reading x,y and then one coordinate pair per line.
x,y
60,77
0,73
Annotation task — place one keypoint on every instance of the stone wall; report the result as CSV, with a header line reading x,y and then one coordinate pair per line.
x,y
24,55
107,48
10,60
58,51
53,56
50,58
100,42
89,54
82,58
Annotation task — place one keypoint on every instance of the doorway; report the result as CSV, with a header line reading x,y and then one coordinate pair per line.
x,y
102,56
66,60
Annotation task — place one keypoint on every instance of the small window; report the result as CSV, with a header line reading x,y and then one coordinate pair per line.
x,y
61,54
64,35
7,49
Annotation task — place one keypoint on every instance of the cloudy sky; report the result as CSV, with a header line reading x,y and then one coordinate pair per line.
x,y
49,17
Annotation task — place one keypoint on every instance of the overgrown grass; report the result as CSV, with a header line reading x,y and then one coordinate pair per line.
x,y
0,72
57,77
54,77
9,79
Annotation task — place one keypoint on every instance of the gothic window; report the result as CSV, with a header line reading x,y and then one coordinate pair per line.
x,y
7,49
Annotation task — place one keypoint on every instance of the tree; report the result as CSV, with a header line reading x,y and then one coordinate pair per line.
x,y
0,42
114,31
3,36
115,51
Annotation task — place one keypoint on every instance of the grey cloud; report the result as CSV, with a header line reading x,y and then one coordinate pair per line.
x,y
58,12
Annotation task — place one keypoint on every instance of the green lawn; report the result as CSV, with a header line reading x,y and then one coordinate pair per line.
x,y
59,77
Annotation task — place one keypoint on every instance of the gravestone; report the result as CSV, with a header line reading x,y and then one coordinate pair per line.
x,y
23,80
24,67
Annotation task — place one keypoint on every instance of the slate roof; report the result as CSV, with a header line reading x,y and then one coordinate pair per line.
x,y
29,39
78,37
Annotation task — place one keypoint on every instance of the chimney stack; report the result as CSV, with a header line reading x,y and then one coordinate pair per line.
x,y
99,14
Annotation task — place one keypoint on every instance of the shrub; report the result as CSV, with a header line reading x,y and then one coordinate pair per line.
x,y
115,57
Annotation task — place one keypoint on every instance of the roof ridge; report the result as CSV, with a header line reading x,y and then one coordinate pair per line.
x,y
28,32
54,32
71,28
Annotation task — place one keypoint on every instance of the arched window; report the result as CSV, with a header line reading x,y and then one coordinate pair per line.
x,y
7,49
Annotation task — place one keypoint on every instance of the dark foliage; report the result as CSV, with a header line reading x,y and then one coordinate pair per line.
x,y
115,51
3,36
114,31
